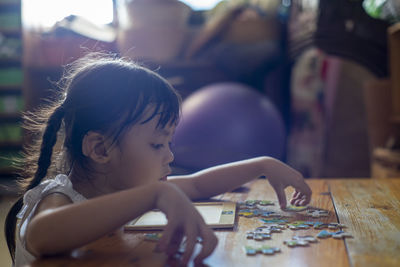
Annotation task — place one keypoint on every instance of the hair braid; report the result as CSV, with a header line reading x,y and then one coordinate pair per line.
x,y
46,150
48,141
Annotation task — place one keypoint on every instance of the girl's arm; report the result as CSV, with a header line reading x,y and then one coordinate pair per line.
x,y
60,226
226,177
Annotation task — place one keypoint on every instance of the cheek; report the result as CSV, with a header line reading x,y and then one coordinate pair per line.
x,y
146,166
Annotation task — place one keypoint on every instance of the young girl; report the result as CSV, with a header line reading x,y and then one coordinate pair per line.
x,y
116,120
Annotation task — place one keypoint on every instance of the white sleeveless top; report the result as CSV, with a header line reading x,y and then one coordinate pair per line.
x,y
60,184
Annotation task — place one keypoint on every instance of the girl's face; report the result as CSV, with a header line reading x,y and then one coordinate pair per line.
x,y
143,155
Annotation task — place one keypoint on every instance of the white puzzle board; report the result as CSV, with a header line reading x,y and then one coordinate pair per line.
x,y
215,214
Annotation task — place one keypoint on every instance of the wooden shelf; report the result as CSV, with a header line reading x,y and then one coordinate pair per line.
x,y
14,31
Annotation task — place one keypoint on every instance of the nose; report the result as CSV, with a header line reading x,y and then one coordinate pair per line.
x,y
170,156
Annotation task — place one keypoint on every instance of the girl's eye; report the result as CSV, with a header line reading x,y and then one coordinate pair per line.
x,y
157,146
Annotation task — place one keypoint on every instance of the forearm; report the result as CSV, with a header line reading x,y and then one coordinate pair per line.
x,y
71,226
223,178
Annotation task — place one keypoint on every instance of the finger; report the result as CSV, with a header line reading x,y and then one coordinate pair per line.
x,y
210,241
165,239
302,202
296,194
297,202
191,238
175,243
298,199
306,196
207,249
304,190
280,192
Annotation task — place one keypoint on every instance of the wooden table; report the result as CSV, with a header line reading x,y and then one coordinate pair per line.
x,y
370,208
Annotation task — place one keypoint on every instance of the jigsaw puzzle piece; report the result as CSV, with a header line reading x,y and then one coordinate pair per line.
x,y
341,234
324,234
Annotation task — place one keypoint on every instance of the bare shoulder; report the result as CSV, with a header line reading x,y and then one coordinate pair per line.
x,y
53,200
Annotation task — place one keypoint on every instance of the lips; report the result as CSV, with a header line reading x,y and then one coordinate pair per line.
x,y
168,172
164,178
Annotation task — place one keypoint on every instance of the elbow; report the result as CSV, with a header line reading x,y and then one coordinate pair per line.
x,y
34,241
39,241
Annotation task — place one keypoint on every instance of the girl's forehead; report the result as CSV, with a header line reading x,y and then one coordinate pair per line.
x,y
168,130
153,127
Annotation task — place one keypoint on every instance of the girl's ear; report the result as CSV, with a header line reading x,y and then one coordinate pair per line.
x,y
95,146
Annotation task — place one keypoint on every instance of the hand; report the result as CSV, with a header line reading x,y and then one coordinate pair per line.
x,y
282,176
183,220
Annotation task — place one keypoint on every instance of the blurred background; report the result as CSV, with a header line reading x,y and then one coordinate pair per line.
x,y
306,81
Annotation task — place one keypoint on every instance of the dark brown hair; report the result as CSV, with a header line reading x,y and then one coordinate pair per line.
x,y
100,93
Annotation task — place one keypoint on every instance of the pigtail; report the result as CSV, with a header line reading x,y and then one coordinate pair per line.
x,y
46,150
10,225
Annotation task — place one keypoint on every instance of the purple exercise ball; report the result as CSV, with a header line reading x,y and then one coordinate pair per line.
x,y
226,122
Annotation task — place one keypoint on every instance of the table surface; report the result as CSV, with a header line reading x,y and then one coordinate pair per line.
x,y
370,208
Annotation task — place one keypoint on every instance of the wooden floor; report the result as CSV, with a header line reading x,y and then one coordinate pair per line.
x,y
5,203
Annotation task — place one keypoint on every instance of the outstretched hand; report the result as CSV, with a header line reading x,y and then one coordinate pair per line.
x,y
284,176
184,221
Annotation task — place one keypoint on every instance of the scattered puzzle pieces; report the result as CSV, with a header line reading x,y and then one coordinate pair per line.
x,y
332,225
320,225
266,250
152,236
316,213
335,226
295,208
258,236
246,213
274,221
256,208
307,238
266,203
250,213
267,214
250,251
300,225
251,204
338,235
324,234
264,232
300,241
295,243
341,234
272,228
